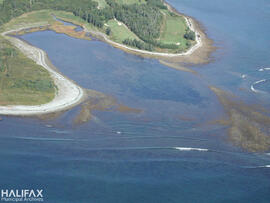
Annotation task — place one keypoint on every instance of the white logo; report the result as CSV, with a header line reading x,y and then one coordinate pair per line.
x,y
22,195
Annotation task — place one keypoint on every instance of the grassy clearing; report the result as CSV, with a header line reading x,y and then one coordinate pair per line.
x,y
173,30
44,17
36,17
22,81
131,1
101,3
120,32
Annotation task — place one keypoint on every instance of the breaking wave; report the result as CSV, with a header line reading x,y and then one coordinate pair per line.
x,y
254,167
43,139
263,69
191,149
253,89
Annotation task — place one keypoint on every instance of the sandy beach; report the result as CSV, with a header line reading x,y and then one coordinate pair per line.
x,y
67,95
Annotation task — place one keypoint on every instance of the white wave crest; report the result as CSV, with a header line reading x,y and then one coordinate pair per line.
x,y
266,166
191,149
263,69
259,81
255,83
60,131
43,139
243,76
256,167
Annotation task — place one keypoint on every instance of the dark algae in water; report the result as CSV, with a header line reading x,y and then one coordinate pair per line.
x,y
248,127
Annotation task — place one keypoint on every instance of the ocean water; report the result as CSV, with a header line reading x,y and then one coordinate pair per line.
x,y
167,153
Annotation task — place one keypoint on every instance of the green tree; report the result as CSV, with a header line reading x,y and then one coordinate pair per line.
x,y
108,31
190,35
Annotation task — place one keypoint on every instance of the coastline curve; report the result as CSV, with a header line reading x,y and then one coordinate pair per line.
x,y
193,48
68,94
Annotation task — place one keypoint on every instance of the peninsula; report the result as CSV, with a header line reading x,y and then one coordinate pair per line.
x,y
146,27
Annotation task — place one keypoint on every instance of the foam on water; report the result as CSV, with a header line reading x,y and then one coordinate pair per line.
x,y
265,166
244,76
191,149
257,167
60,131
255,83
263,69
149,148
43,139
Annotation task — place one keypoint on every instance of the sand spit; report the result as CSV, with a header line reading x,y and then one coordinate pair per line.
x,y
68,93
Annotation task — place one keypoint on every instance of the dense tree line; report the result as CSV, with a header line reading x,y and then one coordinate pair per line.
x,y
138,44
190,35
144,21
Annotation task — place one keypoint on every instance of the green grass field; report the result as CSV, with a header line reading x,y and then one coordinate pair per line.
x,y
22,81
120,32
101,3
37,17
173,30
45,17
130,1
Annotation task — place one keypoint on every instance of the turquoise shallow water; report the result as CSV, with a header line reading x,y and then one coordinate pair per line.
x,y
94,163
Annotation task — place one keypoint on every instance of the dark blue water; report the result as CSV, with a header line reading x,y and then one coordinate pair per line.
x,y
94,163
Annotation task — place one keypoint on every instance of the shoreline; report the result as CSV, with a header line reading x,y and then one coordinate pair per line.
x,y
199,53
67,95
189,22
